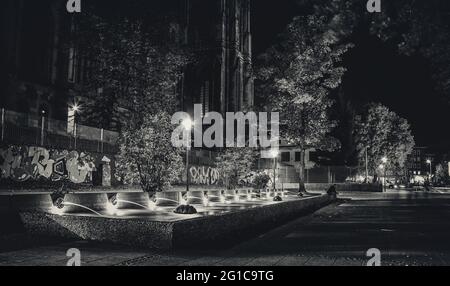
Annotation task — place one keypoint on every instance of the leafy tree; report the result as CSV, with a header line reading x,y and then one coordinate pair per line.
x,y
419,27
147,156
297,75
133,68
235,164
442,175
384,134
133,65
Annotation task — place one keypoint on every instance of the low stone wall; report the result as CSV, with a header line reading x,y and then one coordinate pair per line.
x,y
144,232
345,187
229,227
132,231
340,187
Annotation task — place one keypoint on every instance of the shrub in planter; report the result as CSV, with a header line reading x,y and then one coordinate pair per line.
x,y
185,209
260,180
277,199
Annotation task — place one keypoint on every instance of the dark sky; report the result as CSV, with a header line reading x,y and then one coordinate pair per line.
x,y
269,18
376,73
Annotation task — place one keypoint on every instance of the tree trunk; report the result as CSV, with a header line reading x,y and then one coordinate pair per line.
x,y
302,188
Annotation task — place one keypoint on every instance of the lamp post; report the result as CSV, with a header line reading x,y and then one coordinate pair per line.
x,y
274,154
429,163
367,166
42,126
187,123
75,108
383,166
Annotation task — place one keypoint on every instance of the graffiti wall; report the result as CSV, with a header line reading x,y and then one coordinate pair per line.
x,y
201,175
21,163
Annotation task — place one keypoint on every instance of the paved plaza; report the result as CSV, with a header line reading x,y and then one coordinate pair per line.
x,y
409,228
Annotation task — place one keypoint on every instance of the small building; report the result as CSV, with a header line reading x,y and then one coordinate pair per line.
x,y
419,164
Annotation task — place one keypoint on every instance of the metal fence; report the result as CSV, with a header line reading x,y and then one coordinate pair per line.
x,y
25,129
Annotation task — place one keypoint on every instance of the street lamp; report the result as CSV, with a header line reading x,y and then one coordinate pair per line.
x,y
274,153
187,124
75,108
367,165
429,163
42,126
382,167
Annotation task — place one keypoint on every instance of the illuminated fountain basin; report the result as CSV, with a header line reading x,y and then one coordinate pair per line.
x,y
157,227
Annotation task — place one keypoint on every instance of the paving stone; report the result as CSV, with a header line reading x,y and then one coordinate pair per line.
x,y
293,260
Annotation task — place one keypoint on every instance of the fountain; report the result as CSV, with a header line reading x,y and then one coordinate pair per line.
x,y
137,219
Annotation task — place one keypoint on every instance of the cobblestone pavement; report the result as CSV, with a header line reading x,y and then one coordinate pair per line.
x,y
409,228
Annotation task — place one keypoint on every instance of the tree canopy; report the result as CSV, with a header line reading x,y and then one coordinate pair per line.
x,y
384,134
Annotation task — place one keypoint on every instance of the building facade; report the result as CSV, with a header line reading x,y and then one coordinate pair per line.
x,y
219,33
420,163
39,73
34,69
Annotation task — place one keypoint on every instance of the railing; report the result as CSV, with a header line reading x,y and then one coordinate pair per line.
x,y
25,129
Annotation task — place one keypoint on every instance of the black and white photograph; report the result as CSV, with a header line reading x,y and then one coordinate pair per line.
x,y
254,134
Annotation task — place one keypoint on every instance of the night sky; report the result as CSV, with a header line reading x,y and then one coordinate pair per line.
x,y
376,73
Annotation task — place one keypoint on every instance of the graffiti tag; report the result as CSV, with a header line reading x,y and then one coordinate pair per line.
x,y
21,164
204,175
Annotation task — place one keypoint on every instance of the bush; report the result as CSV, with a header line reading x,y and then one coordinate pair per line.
x,y
260,180
185,209
147,156
277,199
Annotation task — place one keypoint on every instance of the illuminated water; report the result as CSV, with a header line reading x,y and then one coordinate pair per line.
x,y
84,207
133,203
165,213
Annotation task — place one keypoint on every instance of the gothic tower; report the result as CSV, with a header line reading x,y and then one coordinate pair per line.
x,y
219,34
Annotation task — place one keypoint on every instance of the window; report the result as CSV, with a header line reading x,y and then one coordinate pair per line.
x,y
298,156
285,156
205,98
71,65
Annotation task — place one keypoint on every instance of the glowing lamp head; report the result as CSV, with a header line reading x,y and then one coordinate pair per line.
x,y
75,107
152,202
428,161
188,124
112,205
113,200
205,201
274,153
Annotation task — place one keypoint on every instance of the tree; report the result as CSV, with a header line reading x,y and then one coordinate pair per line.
x,y
235,164
296,76
147,155
442,176
419,27
384,134
133,68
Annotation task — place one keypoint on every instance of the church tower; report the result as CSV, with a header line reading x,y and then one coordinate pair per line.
x,y
218,32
